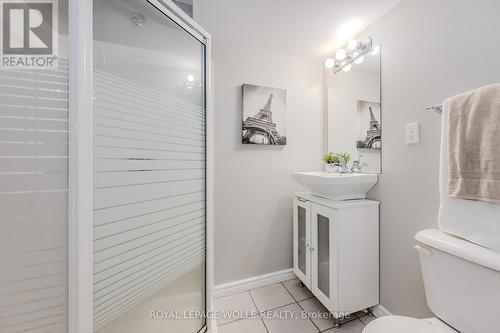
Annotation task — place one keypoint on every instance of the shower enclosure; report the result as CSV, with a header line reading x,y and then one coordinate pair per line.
x,y
149,151
105,174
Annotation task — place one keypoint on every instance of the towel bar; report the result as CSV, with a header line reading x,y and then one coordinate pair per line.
x,y
438,108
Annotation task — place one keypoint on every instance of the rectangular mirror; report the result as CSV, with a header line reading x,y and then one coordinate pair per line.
x,y
354,111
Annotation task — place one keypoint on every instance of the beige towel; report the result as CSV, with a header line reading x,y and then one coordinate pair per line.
x,y
474,145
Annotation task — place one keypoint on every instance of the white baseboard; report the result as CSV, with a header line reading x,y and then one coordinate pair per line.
x,y
380,311
236,287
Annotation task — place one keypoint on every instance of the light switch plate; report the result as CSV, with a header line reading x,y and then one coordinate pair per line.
x,y
412,133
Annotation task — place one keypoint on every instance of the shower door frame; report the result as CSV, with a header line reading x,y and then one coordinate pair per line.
x,y
80,161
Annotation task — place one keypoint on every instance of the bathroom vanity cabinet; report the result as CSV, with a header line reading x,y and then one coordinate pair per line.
x,y
336,251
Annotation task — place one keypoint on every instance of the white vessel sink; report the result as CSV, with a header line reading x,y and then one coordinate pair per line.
x,y
337,186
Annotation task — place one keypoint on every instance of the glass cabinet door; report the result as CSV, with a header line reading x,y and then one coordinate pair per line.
x,y
323,254
323,249
301,251
301,240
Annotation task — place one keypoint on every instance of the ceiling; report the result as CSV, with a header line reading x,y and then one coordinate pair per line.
x,y
303,27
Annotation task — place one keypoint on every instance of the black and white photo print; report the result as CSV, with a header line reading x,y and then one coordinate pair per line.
x,y
369,129
264,115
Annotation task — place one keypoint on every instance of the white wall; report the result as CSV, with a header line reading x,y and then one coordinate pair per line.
x,y
430,50
253,188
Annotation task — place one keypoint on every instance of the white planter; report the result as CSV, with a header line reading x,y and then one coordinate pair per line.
x,y
332,168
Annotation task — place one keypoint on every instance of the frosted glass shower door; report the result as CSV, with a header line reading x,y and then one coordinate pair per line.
x,y
149,171
34,112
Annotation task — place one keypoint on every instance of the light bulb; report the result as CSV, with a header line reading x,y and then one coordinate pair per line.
x,y
365,43
329,63
359,60
190,78
340,54
376,49
347,68
352,45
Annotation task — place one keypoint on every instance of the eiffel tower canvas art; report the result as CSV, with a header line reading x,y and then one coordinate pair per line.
x,y
264,111
369,129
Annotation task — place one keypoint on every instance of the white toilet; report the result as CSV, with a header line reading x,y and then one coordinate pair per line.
x,y
462,288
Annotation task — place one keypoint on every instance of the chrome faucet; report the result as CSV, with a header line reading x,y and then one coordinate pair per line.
x,y
342,166
356,164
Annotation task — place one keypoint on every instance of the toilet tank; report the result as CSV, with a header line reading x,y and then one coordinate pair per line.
x,y
462,281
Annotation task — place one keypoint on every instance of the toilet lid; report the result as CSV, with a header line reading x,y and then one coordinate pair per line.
x,y
398,324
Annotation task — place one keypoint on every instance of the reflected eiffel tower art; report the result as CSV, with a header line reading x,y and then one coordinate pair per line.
x,y
373,135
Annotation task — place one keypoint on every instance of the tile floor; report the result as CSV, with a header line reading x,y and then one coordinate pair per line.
x,y
288,308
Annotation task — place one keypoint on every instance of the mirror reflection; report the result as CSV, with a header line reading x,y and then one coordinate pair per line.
x,y
354,111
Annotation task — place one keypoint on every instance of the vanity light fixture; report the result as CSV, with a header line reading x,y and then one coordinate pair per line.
x,y
353,53
329,63
347,68
359,60
341,54
352,45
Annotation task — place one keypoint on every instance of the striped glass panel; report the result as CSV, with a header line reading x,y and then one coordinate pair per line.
x,y
33,198
149,170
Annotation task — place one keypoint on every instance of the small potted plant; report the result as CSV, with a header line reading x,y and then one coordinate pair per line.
x,y
332,161
344,159
336,162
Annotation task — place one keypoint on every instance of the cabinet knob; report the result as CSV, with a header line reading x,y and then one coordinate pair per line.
x,y
312,248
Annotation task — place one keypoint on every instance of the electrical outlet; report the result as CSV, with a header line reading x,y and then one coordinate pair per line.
x,y
412,133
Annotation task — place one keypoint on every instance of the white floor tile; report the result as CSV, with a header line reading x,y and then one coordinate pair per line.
x,y
234,307
318,313
271,297
288,319
298,292
354,326
367,319
249,325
